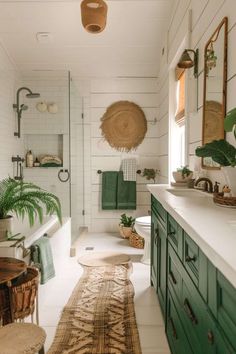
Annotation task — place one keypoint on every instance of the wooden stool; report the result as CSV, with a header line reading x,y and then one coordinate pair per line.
x,y
22,338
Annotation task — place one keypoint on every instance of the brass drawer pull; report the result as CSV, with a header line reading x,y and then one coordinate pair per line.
x,y
173,328
190,259
172,277
210,337
189,311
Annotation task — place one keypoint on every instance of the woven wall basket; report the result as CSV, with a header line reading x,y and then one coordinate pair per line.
x,y
124,125
94,15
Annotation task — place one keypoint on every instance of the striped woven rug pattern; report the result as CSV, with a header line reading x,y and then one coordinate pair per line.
x,y
99,317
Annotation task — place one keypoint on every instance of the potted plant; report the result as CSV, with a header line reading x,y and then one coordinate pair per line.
x,y
24,198
126,225
182,174
223,152
149,173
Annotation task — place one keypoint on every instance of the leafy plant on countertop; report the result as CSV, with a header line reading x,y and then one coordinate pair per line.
x,y
185,171
25,198
126,221
221,151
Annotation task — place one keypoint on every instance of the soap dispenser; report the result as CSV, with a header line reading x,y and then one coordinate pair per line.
x,y
29,159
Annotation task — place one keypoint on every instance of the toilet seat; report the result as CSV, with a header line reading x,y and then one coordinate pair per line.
x,y
143,220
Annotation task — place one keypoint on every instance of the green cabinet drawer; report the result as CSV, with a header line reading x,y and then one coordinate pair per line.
x,y
175,333
161,266
222,302
174,272
154,250
175,235
159,210
195,263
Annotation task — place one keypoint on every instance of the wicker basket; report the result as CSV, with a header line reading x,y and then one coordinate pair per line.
x,y
135,240
224,201
125,231
5,313
24,292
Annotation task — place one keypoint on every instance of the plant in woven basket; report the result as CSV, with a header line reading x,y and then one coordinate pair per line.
x,y
25,198
126,225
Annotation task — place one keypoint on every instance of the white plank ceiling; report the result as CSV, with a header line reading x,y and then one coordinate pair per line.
x,y
130,45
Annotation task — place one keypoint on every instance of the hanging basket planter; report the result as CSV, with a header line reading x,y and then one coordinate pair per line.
x,y
94,15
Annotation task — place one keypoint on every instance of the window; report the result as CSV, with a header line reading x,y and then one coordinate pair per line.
x,y
180,112
178,131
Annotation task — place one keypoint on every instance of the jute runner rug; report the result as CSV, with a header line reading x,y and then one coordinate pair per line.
x,y
99,317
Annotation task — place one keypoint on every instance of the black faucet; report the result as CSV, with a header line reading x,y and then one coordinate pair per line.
x,y
208,185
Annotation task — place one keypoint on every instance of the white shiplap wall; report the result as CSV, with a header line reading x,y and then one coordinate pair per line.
x,y
46,133
100,156
206,16
9,145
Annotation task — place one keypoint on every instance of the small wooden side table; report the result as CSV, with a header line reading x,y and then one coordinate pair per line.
x,y
10,269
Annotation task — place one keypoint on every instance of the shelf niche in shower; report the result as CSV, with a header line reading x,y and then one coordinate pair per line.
x,y
44,144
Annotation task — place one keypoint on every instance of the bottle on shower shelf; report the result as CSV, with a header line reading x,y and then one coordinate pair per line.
x,y
29,159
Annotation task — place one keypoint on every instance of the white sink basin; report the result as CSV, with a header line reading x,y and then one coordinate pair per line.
x,y
232,224
189,193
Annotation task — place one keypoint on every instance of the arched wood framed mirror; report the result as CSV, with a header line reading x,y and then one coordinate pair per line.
x,y
214,94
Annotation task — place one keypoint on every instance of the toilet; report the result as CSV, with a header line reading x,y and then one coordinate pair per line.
x,y
143,228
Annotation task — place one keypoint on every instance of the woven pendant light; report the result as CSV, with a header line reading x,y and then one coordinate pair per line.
x,y
94,15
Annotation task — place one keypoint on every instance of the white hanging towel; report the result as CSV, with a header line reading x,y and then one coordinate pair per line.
x,y
129,168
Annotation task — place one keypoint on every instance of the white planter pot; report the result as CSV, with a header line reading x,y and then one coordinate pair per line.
x,y
5,226
179,178
230,178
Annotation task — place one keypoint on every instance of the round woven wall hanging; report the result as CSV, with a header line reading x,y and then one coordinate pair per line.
x,y
124,125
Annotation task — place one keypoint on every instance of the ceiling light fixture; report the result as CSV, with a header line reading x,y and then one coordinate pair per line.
x,y
186,62
94,15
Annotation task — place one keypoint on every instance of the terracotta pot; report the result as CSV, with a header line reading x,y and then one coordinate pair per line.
x,y
179,178
125,231
5,226
230,177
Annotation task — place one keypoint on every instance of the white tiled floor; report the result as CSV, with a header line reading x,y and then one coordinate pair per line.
x,y
54,295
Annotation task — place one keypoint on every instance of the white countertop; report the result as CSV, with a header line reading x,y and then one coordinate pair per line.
x,y
212,227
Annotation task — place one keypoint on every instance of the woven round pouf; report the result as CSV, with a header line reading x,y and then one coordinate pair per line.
x,y
22,338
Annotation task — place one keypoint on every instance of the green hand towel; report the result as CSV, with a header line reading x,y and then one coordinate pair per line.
x,y
109,190
126,193
41,255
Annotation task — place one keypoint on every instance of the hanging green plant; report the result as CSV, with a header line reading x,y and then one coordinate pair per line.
x,y
149,173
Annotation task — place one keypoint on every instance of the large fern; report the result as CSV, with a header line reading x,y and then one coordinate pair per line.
x,y
25,198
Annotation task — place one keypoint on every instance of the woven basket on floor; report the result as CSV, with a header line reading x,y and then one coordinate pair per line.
x,y
135,240
24,292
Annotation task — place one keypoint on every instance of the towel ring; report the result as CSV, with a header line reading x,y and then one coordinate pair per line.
x,y
63,171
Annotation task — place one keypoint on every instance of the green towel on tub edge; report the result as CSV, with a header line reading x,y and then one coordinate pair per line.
x,y
109,190
41,255
126,193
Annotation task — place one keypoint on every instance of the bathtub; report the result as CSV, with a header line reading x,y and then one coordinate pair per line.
x,y
60,238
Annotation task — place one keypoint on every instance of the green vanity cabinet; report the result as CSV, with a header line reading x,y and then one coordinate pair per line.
x,y
154,250
161,266
222,303
158,251
197,302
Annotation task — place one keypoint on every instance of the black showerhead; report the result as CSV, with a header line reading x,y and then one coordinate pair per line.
x,y
19,108
33,95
